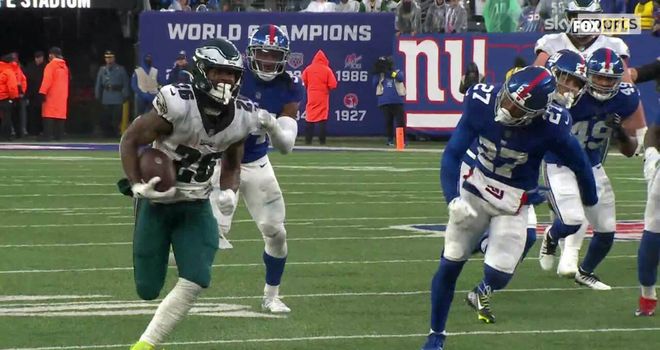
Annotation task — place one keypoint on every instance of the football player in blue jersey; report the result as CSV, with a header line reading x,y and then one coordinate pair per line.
x,y
569,70
648,255
273,89
597,116
514,125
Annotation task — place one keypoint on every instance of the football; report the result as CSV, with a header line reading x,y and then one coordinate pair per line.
x,y
156,163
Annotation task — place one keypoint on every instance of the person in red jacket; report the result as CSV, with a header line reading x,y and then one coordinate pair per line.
x,y
19,109
55,92
8,93
319,80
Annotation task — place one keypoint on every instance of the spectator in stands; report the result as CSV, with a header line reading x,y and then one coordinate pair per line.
x,y
530,19
112,90
471,77
456,18
180,5
644,9
145,83
350,6
19,113
435,17
180,73
318,79
233,6
501,16
408,18
206,5
613,6
390,93
320,6
35,74
55,93
8,93
375,5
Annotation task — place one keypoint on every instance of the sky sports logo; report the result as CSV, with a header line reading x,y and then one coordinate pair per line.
x,y
606,23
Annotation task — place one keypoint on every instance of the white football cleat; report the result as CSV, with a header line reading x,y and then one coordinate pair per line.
x,y
590,280
568,262
223,242
547,252
274,305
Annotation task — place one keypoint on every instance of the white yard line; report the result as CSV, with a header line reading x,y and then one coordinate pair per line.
x,y
290,263
355,337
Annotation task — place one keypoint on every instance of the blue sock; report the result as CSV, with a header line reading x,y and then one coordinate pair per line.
x,y
529,242
274,269
600,245
560,230
494,279
442,292
647,258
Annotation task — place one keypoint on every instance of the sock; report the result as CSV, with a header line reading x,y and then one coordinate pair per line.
x,y
649,292
443,286
529,241
271,291
560,230
171,311
274,269
600,245
647,260
494,279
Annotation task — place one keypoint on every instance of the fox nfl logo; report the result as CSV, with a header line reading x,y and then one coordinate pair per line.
x,y
608,24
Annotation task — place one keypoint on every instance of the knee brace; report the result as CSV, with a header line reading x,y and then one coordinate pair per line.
x,y
274,239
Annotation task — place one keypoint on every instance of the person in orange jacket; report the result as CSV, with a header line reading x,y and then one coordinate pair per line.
x,y
8,93
318,79
55,92
19,109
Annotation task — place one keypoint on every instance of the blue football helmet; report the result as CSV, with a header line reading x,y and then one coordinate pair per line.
x,y
268,51
524,96
604,74
570,71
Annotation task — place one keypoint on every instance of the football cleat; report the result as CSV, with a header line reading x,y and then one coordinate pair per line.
x,y
548,251
480,302
435,341
223,243
142,345
646,307
590,280
568,262
274,305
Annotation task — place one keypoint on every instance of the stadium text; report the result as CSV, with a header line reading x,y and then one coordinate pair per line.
x,y
47,4
304,32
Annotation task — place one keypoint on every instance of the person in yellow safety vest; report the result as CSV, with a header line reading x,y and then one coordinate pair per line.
x,y
145,82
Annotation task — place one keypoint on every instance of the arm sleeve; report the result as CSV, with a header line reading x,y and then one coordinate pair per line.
x,y
47,80
450,167
570,152
283,136
648,72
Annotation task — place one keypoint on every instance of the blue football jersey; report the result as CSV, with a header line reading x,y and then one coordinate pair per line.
x,y
271,96
589,115
509,154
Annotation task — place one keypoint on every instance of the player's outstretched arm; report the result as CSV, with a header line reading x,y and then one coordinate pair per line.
x,y
231,166
144,130
283,130
450,167
651,155
570,152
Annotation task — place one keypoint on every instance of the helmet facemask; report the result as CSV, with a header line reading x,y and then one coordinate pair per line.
x,y
207,58
570,88
603,86
511,113
267,62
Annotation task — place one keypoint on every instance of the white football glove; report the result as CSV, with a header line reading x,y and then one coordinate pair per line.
x,y
148,190
651,163
460,211
266,120
226,201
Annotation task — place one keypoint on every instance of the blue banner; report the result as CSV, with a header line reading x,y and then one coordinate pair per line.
x,y
352,43
434,64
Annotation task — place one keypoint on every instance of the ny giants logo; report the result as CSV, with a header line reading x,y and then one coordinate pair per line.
x,y
496,192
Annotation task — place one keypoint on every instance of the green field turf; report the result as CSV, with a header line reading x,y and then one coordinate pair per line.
x,y
353,281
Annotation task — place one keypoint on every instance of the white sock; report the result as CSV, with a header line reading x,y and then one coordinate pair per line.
x,y
649,292
271,291
171,311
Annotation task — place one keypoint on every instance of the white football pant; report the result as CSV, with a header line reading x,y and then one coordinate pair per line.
x,y
263,199
652,213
